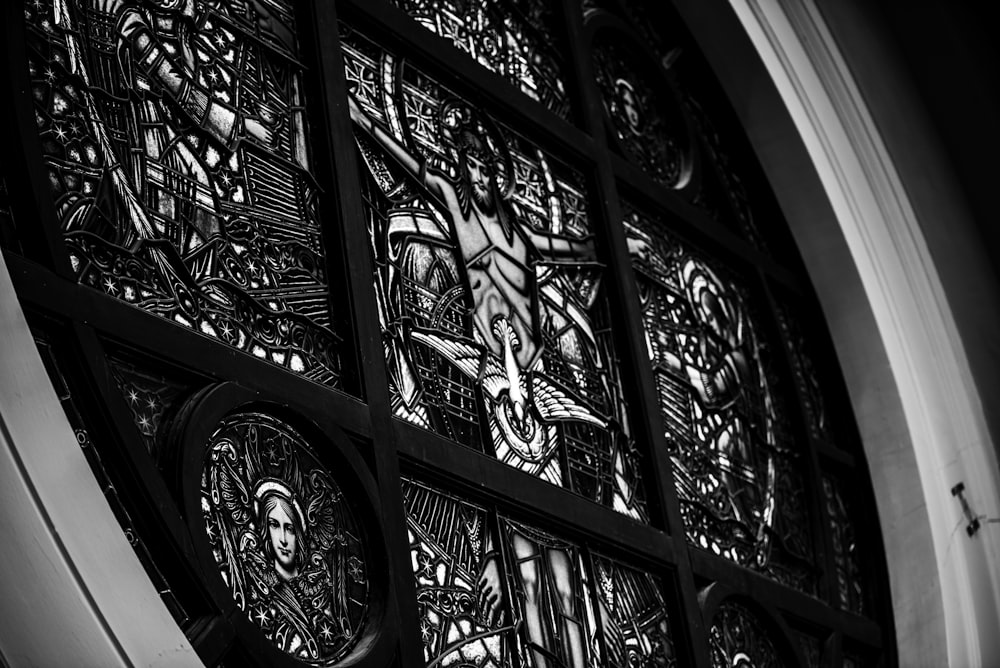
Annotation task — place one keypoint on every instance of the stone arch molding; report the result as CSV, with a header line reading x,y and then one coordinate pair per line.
x,y
919,411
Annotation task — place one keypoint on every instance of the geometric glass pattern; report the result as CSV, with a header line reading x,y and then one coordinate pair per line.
x,y
739,640
495,592
175,142
734,468
491,298
284,538
513,38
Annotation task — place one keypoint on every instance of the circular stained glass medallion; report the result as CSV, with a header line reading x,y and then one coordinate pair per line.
x,y
645,118
284,538
740,640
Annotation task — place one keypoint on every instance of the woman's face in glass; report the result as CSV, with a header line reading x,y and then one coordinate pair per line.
x,y
284,540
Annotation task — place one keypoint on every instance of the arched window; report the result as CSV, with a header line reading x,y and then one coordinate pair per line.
x,y
434,332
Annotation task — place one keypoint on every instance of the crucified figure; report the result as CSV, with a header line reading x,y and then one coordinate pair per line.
x,y
498,253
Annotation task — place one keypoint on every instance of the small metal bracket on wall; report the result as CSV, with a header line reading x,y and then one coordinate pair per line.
x,y
973,526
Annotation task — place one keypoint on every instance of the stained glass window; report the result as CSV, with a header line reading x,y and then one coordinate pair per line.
x,y
489,284
284,538
517,39
177,150
736,469
492,591
644,114
592,391
738,638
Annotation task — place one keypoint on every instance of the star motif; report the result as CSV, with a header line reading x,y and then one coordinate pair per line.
x,y
110,287
144,422
60,132
262,617
326,631
213,76
151,403
133,396
50,74
426,631
226,330
220,40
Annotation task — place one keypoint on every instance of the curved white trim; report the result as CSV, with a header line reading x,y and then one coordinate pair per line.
x,y
68,597
942,409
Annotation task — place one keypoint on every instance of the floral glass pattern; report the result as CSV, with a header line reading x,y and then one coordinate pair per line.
x,y
284,538
735,469
513,38
490,293
176,145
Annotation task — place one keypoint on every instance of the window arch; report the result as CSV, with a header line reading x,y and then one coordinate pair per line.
x,y
686,209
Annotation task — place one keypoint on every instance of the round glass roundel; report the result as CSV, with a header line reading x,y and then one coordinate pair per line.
x,y
283,537
739,640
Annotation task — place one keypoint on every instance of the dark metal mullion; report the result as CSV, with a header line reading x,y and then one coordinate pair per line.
x,y
360,268
803,606
455,69
701,229
45,292
30,195
463,470
819,526
645,413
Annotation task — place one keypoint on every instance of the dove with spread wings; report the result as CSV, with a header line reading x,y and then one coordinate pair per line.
x,y
522,398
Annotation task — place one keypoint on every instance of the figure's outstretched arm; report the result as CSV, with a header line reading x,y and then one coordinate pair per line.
x,y
217,118
439,188
559,246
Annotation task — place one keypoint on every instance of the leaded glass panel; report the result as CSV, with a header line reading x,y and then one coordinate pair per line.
x,y
517,39
738,639
495,592
101,470
490,292
646,118
846,555
176,145
152,399
633,616
735,466
453,553
806,377
284,538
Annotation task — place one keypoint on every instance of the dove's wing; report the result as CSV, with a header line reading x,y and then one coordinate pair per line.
x,y
554,404
470,359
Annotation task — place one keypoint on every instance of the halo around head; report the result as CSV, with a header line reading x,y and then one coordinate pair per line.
x,y
455,115
275,487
